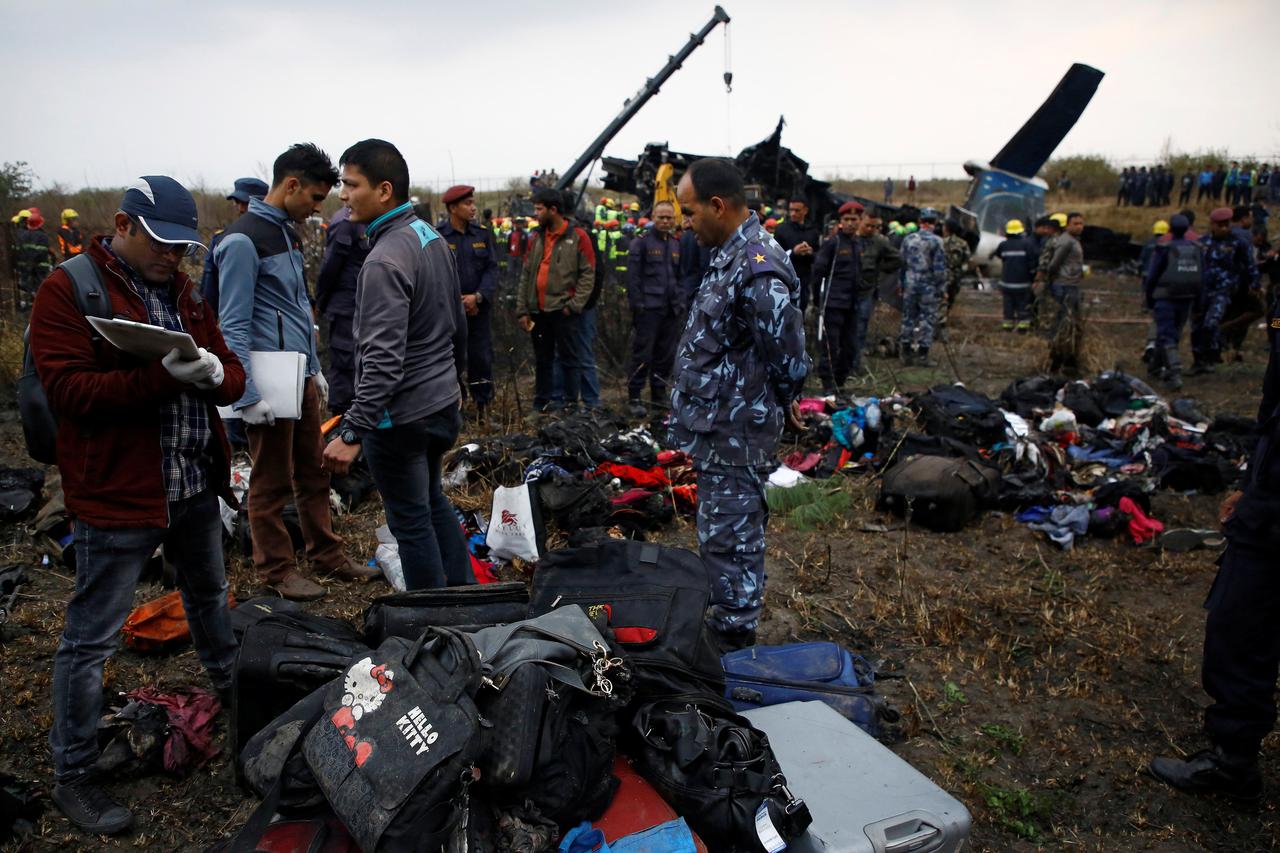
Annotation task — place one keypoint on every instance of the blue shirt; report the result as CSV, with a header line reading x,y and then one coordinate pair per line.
x,y
475,258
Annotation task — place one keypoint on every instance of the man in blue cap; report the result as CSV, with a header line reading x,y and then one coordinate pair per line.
x,y
245,189
476,259
143,459
266,307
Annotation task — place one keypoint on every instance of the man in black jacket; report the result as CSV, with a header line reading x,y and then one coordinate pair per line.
x,y
838,288
800,238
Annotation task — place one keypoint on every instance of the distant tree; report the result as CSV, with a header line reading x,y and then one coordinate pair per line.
x,y
1091,175
15,183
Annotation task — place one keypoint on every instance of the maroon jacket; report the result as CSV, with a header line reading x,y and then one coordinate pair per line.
x,y
108,402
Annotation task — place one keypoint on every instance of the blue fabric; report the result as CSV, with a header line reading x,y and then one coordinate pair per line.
x,y
674,836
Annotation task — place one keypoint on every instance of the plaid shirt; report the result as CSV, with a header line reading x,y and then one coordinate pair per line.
x,y
184,420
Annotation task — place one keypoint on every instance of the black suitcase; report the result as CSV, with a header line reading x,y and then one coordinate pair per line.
x,y
653,598
466,608
282,658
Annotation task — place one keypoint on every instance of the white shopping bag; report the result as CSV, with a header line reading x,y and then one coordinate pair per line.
x,y
515,526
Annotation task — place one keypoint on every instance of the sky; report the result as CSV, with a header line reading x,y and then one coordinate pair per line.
x,y
99,93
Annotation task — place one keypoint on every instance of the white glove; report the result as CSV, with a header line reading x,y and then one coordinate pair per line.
x,y
258,414
322,388
215,378
192,372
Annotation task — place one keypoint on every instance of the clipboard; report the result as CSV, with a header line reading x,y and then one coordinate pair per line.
x,y
143,339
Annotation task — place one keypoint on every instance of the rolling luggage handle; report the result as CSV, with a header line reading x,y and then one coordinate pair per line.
x,y
906,833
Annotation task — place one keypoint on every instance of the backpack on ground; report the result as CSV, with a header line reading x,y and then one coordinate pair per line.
x,y
39,423
804,672
937,492
654,600
956,412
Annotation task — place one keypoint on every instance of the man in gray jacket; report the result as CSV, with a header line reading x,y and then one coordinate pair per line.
x,y
410,336
1064,274
265,306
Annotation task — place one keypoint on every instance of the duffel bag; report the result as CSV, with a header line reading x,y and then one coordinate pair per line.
x,y
719,773
804,672
653,598
937,492
467,608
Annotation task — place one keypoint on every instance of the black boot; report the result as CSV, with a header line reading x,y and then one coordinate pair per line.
x,y
923,360
1173,369
1212,771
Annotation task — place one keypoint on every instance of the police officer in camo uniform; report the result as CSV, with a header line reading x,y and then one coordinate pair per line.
x,y
924,259
739,367
1228,264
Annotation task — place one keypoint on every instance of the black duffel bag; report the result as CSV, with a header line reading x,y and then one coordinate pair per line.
x,y
654,599
956,412
937,492
467,608
718,772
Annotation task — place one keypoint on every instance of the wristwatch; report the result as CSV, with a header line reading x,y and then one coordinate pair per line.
x,y
348,436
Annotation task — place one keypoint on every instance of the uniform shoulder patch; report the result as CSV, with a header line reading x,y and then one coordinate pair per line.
x,y
424,231
759,261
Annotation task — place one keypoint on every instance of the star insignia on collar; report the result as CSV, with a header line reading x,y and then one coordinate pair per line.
x,y
759,258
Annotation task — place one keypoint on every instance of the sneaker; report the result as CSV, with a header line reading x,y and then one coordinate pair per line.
x,y
295,587
349,570
90,807
1211,771
1007,326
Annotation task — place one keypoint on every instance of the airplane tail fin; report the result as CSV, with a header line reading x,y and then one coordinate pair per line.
x,y
1035,141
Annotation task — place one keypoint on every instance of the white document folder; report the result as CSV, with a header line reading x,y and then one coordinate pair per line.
x,y
280,378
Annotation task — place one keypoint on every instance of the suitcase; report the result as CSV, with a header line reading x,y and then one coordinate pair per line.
x,y
863,798
758,676
466,608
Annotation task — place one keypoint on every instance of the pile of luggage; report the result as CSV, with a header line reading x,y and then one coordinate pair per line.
x,y
1048,449
501,717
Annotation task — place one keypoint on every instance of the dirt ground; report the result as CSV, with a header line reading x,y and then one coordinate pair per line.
x,y
1035,684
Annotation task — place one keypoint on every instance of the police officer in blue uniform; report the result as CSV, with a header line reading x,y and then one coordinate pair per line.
x,y
344,252
477,263
1242,634
1173,282
739,367
244,189
658,307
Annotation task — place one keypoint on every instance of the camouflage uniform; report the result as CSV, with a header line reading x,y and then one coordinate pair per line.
x,y
923,258
739,364
957,260
1228,268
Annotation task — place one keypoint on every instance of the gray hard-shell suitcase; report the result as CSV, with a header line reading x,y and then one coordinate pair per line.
x,y
863,798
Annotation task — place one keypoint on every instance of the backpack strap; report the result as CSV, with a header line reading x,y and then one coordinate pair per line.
x,y
86,286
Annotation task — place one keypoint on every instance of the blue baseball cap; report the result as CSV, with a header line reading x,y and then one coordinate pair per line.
x,y
247,188
164,208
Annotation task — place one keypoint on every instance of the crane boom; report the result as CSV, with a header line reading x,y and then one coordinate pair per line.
x,y
633,105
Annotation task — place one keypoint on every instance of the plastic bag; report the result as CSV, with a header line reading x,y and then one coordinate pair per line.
x,y
515,528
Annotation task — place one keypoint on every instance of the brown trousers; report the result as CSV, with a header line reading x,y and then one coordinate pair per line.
x,y
287,463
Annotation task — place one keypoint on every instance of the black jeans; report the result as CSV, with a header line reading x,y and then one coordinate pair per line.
x,y
554,336
405,463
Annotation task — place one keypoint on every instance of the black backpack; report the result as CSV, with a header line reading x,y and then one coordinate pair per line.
x,y
653,598
956,412
39,424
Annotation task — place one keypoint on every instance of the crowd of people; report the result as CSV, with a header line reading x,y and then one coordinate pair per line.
x,y
409,307
1233,184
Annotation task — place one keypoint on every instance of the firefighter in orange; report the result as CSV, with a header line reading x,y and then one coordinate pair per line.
x,y
70,240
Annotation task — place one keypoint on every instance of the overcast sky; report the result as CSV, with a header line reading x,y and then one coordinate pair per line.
x,y
99,92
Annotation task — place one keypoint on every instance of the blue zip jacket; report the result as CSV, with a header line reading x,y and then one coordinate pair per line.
x,y
264,306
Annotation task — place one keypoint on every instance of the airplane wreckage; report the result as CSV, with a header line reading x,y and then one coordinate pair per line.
x,y
1006,187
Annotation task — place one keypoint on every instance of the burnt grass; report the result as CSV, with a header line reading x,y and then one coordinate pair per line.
x,y
1034,684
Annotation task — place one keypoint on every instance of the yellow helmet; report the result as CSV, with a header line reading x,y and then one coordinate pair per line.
x,y
635,205
20,215
69,213
1161,227
1014,226
1060,218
